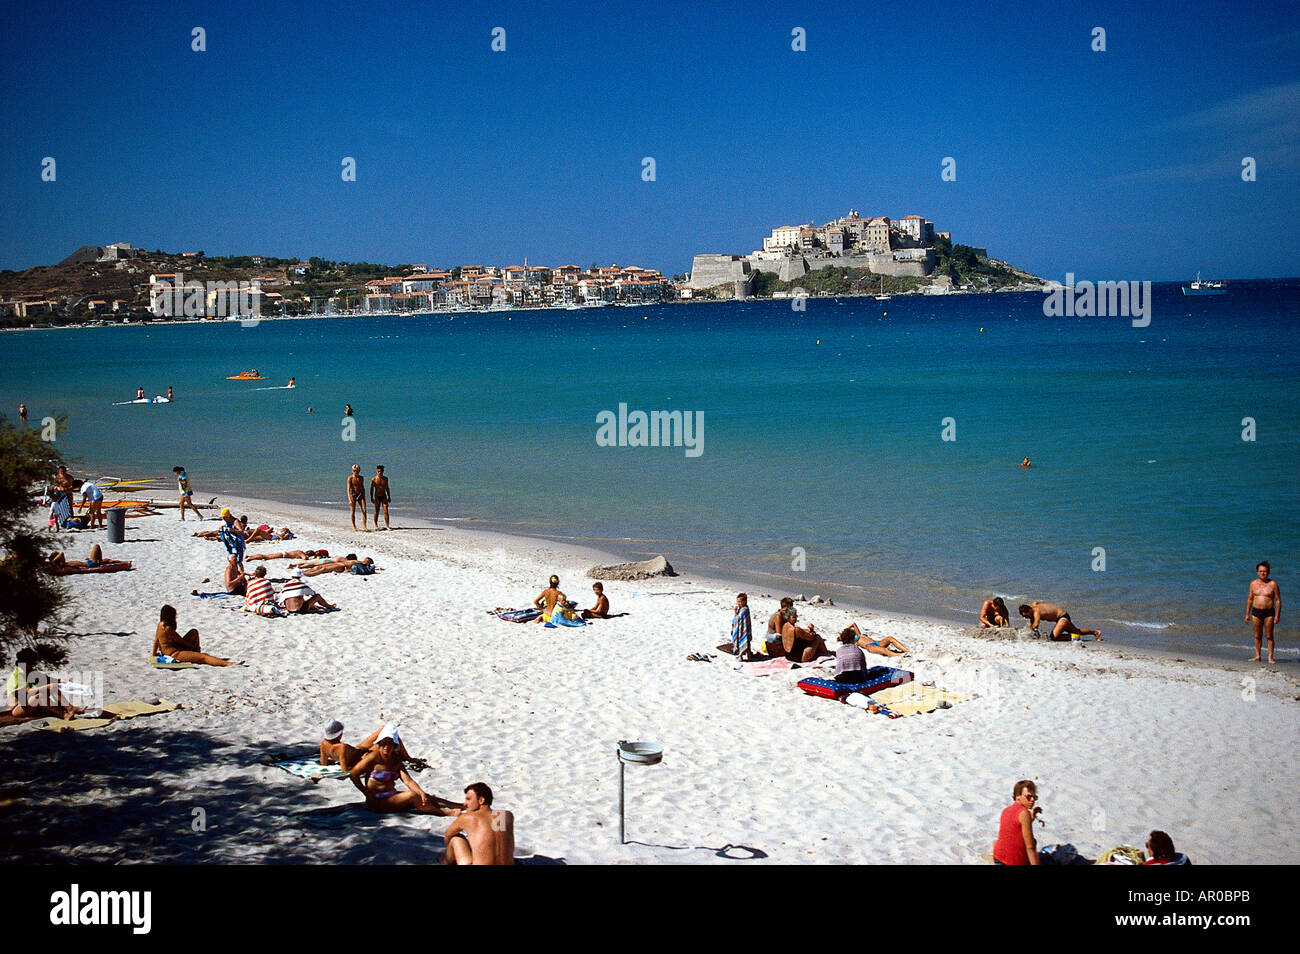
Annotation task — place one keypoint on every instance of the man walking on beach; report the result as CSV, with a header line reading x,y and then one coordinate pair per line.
x,y
379,494
1064,628
1263,609
357,495
479,835
187,495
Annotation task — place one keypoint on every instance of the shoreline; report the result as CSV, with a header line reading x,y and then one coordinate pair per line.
x,y
536,713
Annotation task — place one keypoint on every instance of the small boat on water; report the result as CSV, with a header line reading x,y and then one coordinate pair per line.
x,y
1199,287
882,296
246,376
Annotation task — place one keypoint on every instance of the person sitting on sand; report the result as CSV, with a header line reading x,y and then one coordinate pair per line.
x,y
801,645
994,613
259,595
1161,849
30,700
381,768
850,660
288,555
601,609
334,565
1064,627
1015,844
167,641
742,633
775,623
884,646
58,561
265,532
480,835
298,597
234,577
548,599
333,750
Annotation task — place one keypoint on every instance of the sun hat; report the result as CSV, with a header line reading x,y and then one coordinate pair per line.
x,y
333,729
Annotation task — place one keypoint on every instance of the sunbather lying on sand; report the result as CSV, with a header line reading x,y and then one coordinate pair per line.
x,y
334,750
288,555
58,561
168,642
335,565
479,835
265,532
884,646
381,768
801,645
37,698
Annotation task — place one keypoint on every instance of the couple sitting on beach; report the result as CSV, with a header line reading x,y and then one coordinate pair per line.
x,y
785,637
478,835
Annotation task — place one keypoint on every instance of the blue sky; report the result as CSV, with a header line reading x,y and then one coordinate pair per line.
x,y
1117,164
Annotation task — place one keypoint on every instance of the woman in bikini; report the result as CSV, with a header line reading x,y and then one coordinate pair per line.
x,y
547,599
58,561
884,646
377,774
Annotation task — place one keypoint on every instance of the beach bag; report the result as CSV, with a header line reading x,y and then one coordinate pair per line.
x,y
362,569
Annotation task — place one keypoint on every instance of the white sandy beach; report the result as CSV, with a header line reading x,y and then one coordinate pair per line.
x,y
1118,743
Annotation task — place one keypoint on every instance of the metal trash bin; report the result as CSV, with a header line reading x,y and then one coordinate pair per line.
x,y
116,524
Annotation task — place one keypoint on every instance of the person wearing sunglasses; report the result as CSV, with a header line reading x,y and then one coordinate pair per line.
x,y
1015,844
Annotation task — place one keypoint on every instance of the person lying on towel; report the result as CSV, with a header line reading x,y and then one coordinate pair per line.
x,y
885,646
35,698
333,565
58,561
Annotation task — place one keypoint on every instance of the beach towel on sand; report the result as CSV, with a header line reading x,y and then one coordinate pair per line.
x,y
167,662
308,767
912,699
779,664
518,616
113,712
108,566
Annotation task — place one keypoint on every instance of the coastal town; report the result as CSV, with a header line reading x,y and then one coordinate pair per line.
x,y
853,254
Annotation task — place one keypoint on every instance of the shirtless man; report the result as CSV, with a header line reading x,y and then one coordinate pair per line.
x,y
1064,628
187,495
994,613
479,835
1263,609
801,645
357,495
380,495
601,609
234,576
288,555
775,623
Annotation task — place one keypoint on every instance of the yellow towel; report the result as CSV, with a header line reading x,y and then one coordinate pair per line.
x,y
900,699
117,711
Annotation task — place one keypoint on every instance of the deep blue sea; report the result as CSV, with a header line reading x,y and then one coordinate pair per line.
x,y
823,430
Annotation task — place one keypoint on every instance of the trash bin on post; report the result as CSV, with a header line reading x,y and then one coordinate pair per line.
x,y
116,524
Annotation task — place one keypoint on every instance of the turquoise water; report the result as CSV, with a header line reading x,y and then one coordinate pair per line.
x,y
490,420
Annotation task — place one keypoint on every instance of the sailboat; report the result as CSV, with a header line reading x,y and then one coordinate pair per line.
x,y
882,296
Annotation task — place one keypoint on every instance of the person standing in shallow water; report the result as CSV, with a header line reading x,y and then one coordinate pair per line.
x,y
357,495
380,495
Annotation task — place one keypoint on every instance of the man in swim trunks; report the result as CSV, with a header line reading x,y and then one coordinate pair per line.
x,y
1064,628
1263,609
22,413
380,495
479,835
801,645
357,495
187,495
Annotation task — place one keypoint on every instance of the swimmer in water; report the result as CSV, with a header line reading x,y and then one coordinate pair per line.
x,y
1026,463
